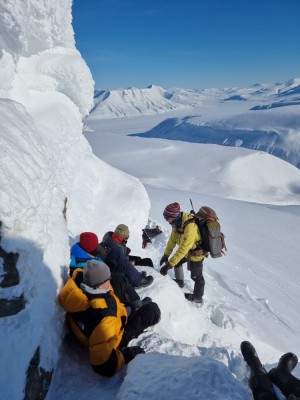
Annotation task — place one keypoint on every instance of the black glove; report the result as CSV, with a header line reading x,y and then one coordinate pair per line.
x,y
163,260
130,352
144,273
164,270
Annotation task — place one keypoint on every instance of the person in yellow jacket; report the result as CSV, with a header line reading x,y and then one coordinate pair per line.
x,y
186,236
100,321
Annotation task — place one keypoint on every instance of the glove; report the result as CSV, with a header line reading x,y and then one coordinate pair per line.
x,y
144,273
164,270
163,260
130,352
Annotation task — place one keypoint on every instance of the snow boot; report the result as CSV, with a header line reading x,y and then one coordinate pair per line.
x,y
146,281
179,282
281,375
191,297
137,304
260,383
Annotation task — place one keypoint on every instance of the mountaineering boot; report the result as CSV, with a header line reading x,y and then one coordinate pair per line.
x,y
179,282
191,297
137,304
260,383
281,375
146,281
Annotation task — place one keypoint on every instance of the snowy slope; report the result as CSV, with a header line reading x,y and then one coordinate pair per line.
x,y
46,163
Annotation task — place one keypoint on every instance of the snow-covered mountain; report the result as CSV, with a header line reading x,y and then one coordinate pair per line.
x,y
53,185
132,102
264,117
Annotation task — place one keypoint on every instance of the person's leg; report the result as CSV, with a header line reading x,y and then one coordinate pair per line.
x,y
123,289
196,268
146,262
281,375
260,383
126,292
179,275
147,315
139,261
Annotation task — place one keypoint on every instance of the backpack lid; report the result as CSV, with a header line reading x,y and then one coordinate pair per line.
x,y
207,213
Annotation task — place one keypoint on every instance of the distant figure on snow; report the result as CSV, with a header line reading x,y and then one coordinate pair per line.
x,y
185,234
99,319
148,234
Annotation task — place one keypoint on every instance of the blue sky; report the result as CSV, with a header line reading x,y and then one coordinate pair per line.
x,y
188,43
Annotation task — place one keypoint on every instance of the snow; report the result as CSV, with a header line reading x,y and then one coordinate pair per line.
x,y
132,101
107,177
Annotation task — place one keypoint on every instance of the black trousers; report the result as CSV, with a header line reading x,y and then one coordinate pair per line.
x,y
196,268
143,262
123,289
138,321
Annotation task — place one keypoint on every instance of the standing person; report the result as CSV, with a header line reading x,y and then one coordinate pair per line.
x,y
117,257
100,321
185,234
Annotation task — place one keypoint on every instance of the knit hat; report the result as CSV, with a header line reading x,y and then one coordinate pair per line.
x,y
172,211
95,273
122,231
88,241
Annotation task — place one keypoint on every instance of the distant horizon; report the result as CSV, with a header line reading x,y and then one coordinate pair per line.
x,y
199,46
190,88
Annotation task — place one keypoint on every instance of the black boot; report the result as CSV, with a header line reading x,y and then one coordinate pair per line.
x,y
179,282
193,298
137,304
146,281
281,375
260,383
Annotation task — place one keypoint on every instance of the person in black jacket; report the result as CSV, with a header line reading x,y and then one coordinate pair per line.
x,y
117,257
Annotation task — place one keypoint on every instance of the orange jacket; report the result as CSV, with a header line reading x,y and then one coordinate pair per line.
x,y
98,322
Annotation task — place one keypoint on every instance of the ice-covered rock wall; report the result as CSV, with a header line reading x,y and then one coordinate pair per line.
x,y
52,186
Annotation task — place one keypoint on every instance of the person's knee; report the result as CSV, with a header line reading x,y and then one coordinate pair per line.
x,y
197,277
150,314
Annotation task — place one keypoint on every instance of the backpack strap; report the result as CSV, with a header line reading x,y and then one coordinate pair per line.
x,y
187,222
193,220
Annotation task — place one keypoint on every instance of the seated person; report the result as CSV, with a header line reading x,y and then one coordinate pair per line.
x,y
122,232
117,257
100,321
84,250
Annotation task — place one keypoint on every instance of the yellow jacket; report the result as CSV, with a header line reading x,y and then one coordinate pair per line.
x,y
187,237
98,323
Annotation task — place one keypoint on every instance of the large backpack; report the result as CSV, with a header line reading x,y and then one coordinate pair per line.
x,y
213,240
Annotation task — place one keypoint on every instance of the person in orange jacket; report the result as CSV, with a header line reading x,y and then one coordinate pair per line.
x,y
100,321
